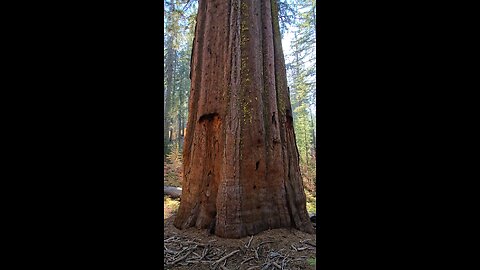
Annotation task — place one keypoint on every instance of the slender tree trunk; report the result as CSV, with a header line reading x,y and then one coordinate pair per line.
x,y
180,128
180,113
241,166
169,61
174,100
313,135
297,101
307,144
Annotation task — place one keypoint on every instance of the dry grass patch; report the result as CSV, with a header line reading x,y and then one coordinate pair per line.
x,y
170,206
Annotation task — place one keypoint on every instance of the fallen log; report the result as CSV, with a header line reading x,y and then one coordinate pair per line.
x,y
174,192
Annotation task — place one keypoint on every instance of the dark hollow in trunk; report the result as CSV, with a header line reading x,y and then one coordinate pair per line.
x,y
241,164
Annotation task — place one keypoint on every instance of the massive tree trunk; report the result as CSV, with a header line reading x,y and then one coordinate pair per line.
x,y
241,166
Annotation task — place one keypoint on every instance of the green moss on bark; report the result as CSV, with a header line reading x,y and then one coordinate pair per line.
x,y
244,70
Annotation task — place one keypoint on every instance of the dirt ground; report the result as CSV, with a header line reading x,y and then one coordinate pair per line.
x,y
273,249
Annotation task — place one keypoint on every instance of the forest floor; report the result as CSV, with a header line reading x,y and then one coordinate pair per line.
x,y
197,249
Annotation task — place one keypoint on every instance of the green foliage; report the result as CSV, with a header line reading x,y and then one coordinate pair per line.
x,y
179,31
311,201
175,158
173,168
301,72
286,14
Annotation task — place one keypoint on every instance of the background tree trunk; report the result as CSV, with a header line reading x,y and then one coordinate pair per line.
x,y
169,61
241,164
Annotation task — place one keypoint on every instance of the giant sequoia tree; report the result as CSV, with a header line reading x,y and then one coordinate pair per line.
x,y
241,164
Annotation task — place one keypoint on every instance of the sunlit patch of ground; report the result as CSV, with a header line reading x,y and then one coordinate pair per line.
x,y
170,207
311,201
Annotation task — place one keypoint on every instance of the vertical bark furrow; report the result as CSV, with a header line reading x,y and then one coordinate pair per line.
x,y
228,201
264,94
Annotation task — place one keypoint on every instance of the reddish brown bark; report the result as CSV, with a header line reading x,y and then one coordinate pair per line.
x,y
241,171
